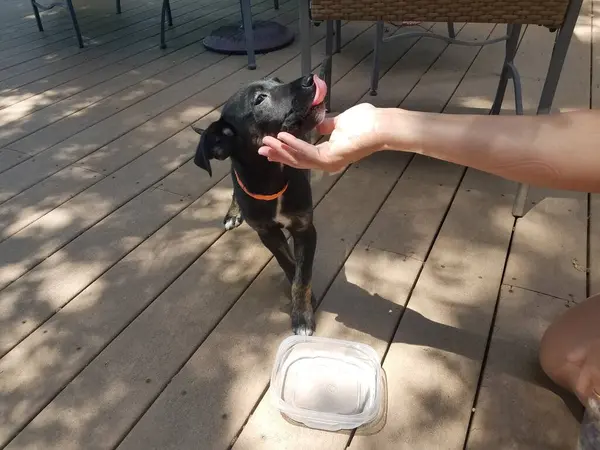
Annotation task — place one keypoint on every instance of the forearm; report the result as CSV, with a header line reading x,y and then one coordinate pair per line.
x,y
558,151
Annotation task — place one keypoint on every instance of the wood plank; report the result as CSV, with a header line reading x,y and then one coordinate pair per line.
x,y
594,245
94,35
24,29
31,245
548,255
437,86
172,184
187,23
81,93
10,158
92,29
594,200
99,313
250,332
86,75
518,406
34,203
150,133
364,303
223,271
190,61
34,243
397,83
435,356
35,297
552,235
476,92
433,385
219,437
16,66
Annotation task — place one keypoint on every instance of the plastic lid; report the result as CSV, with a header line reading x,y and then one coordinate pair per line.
x,y
327,384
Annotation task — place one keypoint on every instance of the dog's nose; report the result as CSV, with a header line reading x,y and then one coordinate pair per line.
x,y
308,81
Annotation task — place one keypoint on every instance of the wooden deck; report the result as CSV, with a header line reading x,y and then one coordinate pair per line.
x,y
130,320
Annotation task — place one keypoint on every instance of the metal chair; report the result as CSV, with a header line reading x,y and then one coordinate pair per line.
x,y
68,4
559,16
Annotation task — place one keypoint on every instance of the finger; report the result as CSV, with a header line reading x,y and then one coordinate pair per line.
x,y
309,151
275,155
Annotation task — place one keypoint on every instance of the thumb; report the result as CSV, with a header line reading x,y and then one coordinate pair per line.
x,y
327,126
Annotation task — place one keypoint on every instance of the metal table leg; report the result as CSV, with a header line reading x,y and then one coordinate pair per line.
x,y
304,27
165,12
379,29
250,37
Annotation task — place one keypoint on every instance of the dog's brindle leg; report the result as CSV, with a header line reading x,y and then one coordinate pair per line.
x,y
233,218
303,301
274,239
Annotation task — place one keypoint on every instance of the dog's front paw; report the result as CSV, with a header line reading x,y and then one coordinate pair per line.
x,y
303,323
231,222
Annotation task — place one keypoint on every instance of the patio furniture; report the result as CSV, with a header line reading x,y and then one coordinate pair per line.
x,y
559,16
237,39
68,4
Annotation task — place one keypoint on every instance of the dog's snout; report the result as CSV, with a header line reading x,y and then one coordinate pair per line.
x,y
308,81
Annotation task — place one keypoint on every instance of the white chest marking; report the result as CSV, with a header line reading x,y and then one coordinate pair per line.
x,y
280,218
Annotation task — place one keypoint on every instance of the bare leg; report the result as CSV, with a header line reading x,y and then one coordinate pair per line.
x,y
569,333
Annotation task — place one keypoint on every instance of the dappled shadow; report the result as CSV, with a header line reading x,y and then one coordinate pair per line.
x,y
99,342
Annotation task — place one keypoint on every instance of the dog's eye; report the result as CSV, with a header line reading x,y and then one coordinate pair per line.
x,y
259,99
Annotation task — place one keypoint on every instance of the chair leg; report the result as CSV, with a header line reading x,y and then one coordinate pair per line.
x,y
304,27
276,4
75,23
328,61
338,36
379,28
118,6
559,53
249,33
38,19
169,15
513,31
163,15
451,32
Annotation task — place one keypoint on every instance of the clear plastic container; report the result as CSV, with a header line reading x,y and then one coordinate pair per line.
x,y
589,434
327,384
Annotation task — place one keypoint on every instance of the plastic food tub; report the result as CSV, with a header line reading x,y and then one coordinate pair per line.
x,y
327,384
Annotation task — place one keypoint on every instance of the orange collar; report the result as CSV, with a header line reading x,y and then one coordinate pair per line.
x,y
260,196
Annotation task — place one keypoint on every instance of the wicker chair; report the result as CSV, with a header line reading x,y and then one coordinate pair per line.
x,y
558,15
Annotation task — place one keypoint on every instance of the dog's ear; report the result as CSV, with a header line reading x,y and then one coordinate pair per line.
x,y
217,142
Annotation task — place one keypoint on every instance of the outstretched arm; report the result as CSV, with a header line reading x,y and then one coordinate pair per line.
x,y
558,151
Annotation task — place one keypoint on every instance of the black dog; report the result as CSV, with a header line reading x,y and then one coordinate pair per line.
x,y
270,196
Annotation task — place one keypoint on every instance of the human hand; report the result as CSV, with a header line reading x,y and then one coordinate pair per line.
x,y
587,358
354,135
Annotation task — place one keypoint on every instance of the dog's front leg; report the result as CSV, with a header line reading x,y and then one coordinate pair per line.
x,y
233,218
274,240
303,301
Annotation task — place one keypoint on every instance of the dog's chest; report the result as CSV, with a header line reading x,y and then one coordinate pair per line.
x,y
282,219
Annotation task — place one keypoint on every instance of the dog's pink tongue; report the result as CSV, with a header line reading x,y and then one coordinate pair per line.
x,y
320,91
